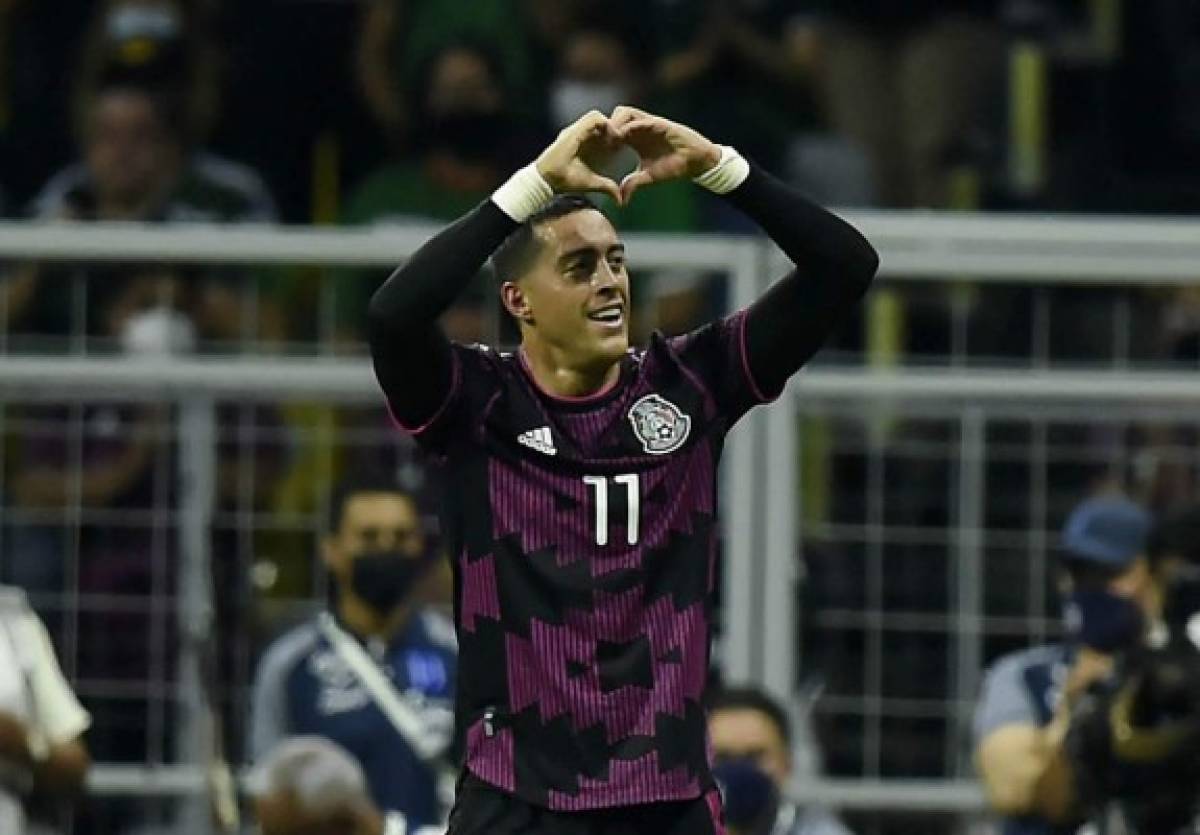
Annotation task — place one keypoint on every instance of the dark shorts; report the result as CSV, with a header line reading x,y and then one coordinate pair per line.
x,y
481,809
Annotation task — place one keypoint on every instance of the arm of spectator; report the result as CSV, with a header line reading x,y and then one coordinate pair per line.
x,y
376,75
61,760
64,770
98,485
14,741
1024,766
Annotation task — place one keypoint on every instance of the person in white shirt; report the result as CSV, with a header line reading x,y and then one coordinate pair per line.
x,y
41,721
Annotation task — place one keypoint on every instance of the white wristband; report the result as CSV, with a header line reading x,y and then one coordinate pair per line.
x,y
729,173
523,194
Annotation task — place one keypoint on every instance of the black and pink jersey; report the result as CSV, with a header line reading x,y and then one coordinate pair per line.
x,y
584,539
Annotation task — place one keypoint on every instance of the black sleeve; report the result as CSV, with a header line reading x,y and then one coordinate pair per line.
x,y
834,266
412,356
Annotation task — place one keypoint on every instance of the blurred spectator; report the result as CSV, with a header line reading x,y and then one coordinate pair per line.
x,y
467,141
136,166
160,45
907,82
311,786
139,164
42,756
312,680
728,68
752,752
400,38
1114,596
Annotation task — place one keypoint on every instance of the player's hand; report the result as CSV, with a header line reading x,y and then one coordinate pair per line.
x,y
667,150
570,163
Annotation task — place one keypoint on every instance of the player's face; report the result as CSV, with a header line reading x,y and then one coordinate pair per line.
x,y
373,522
578,290
742,733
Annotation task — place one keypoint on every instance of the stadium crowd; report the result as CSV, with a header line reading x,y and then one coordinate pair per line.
x,y
412,111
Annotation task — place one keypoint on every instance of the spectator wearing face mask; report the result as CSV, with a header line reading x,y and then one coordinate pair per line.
x,y
600,66
466,139
355,673
752,751
1113,587
400,38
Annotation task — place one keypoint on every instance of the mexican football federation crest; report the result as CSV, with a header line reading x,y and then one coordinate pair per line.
x,y
659,424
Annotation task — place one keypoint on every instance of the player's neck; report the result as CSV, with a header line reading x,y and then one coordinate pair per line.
x,y
558,379
366,622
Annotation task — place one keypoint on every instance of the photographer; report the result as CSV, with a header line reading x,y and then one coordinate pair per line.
x,y
1135,743
1113,591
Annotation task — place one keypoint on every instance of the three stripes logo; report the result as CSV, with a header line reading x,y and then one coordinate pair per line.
x,y
538,439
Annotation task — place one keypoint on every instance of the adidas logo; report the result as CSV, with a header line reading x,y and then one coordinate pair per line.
x,y
539,439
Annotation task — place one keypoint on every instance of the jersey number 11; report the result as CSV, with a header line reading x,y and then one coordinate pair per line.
x,y
633,495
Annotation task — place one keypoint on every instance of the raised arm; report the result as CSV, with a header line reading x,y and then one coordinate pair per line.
x,y
411,354
834,267
834,263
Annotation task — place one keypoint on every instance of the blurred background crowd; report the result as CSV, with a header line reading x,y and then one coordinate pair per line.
x,y
409,112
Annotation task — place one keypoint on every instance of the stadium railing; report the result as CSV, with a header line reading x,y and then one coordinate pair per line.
x,y
764,466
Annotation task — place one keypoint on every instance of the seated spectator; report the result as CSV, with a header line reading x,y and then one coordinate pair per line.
x,y
906,82
161,45
752,753
347,674
400,38
1113,585
136,166
42,756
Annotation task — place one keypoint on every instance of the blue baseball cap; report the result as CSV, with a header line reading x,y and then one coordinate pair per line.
x,y
1110,531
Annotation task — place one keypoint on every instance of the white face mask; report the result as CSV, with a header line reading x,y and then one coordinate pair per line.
x,y
158,332
571,99
159,23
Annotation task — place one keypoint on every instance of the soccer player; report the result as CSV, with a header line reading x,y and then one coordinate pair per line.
x,y
581,513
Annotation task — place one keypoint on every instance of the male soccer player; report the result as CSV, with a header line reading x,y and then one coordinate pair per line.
x,y
581,514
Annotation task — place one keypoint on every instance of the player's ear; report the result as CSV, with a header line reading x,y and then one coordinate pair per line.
x,y
516,302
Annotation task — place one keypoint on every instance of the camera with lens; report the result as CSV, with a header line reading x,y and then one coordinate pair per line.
x,y
1134,741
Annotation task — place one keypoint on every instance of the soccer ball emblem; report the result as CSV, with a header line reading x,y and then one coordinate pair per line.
x,y
659,424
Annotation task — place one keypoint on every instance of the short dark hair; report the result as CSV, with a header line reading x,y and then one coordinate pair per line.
x,y
751,698
512,259
356,486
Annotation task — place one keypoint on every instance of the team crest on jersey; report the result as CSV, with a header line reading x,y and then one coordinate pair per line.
x,y
659,424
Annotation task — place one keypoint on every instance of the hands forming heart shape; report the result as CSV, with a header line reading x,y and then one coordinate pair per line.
x,y
666,151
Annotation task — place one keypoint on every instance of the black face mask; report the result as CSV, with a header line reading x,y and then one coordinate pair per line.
x,y
382,579
475,136
751,798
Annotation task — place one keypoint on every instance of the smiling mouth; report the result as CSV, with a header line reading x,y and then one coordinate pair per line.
x,y
611,315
